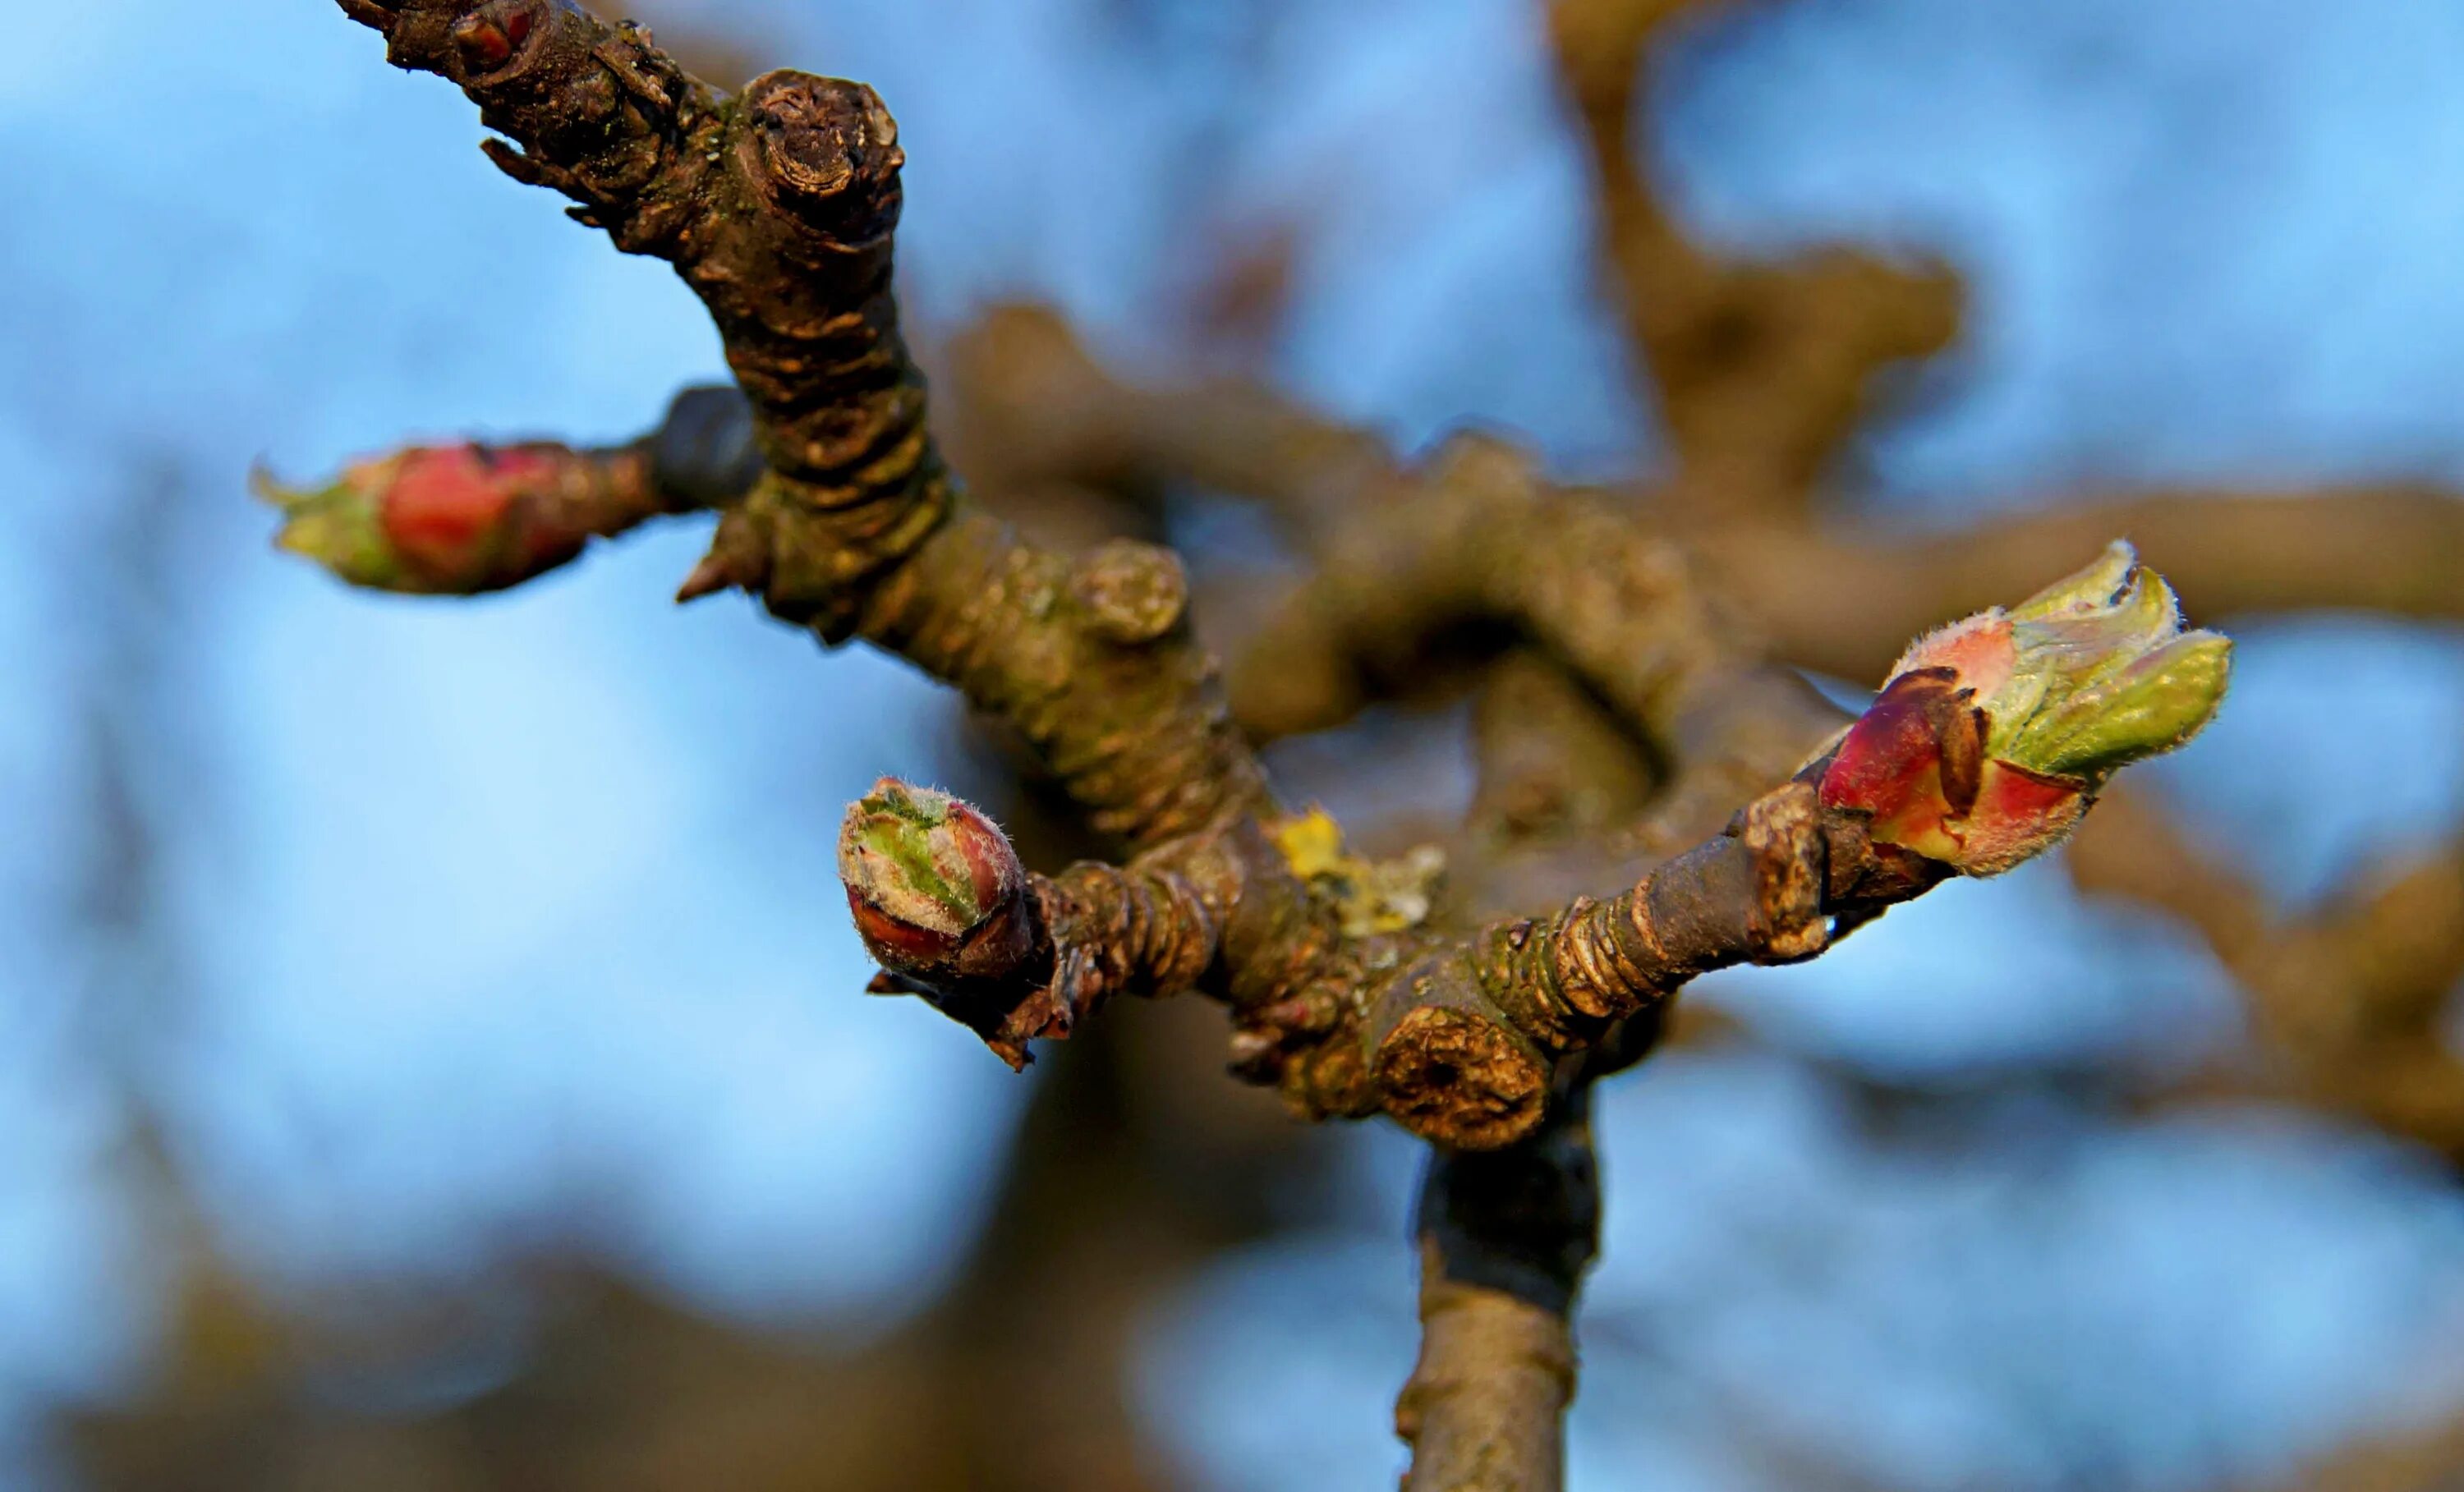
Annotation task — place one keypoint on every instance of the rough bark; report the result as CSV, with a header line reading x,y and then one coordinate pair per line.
x,y
1505,1239
836,508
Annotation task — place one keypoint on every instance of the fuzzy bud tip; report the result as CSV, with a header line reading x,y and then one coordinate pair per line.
x,y
1993,735
934,887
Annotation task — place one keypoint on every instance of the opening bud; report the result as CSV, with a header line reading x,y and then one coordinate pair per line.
x,y
1993,735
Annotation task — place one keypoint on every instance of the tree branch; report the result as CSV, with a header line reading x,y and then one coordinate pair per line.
x,y
467,518
1844,600
1762,371
1039,406
1475,535
1984,747
2349,1000
1506,1237
777,208
1454,1035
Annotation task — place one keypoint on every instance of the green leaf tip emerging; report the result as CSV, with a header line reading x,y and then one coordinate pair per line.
x,y
1993,735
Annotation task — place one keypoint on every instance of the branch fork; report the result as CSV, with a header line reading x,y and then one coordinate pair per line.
x,y
1351,992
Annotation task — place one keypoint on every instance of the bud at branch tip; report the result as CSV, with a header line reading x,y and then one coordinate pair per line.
x,y
934,887
1993,735
435,519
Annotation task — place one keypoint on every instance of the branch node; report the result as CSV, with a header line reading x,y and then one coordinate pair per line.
x,y
1448,1065
826,152
1783,831
1135,593
738,559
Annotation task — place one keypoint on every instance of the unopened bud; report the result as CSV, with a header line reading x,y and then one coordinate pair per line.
x,y
1991,735
438,519
934,885
487,37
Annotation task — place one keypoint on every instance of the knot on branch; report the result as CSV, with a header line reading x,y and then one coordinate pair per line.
x,y
1783,831
1134,592
824,151
1448,1065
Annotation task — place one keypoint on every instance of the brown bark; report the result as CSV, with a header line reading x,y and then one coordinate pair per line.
x,y
1504,1239
777,208
2349,1000
1761,371
1847,600
1455,1036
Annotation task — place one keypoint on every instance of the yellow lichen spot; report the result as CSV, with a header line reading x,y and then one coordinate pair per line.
x,y
1371,896
1312,842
